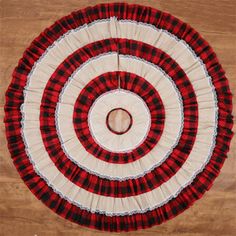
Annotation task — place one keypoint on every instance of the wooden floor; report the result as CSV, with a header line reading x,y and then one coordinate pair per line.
x,y
20,212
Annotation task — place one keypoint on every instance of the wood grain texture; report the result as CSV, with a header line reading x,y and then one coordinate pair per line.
x,y
21,213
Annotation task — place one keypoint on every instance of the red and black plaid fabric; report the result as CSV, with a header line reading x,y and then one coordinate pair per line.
x,y
108,82
89,181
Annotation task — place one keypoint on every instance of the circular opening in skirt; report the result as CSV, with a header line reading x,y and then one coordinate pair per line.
x,y
119,121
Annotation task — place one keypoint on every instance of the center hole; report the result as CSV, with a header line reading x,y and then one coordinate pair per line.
x,y
119,121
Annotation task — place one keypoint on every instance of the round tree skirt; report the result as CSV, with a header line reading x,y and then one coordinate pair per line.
x,y
118,117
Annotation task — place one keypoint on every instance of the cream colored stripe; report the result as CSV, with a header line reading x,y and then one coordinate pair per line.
x,y
108,101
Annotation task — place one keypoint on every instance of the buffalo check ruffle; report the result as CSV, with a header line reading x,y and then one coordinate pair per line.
x,y
101,85
163,64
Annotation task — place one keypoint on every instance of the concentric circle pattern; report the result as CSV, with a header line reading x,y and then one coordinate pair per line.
x,y
118,117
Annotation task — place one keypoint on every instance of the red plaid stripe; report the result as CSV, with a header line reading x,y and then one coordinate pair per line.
x,y
109,82
202,182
